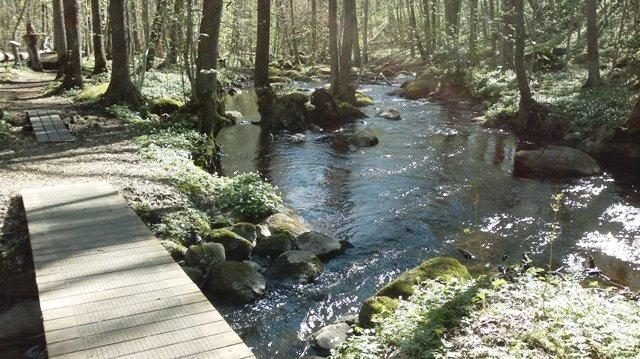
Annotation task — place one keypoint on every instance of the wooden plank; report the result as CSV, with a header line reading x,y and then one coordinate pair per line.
x,y
48,126
107,286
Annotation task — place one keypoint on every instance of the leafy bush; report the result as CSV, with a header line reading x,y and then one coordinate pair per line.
x,y
183,227
248,196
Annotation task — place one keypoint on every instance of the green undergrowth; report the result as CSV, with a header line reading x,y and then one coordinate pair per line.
x,y
536,316
582,110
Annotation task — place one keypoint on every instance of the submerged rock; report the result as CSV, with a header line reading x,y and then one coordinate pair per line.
x,y
274,245
23,319
203,255
389,113
330,337
236,247
323,246
375,305
555,161
236,281
287,224
300,265
363,138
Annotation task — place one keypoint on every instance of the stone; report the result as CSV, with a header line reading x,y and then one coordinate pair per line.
x,y
376,305
176,250
246,230
330,337
554,161
23,319
441,268
236,281
274,245
194,274
363,100
285,223
363,138
301,265
389,114
236,247
572,139
262,231
234,117
323,246
203,255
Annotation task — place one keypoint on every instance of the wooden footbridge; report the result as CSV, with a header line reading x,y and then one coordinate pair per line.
x,y
109,289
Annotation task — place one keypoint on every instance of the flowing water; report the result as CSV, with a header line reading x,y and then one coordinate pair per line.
x,y
435,182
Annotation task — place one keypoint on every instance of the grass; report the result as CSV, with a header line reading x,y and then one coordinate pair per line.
x,y
534,317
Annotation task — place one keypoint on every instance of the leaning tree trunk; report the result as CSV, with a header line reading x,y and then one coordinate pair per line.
x,y
344,72
261,72
526,100
206,74
59,38
98,50
592,44
73,76
121,89
333,44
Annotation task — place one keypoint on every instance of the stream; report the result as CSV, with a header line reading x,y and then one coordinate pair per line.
x,y
434,183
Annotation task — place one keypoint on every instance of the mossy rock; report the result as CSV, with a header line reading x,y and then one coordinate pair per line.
x,y
300,265
283,223
177,251
236,247
349,112
420,88
236,282
92,93
165,105
376,305
440,268
274,245
203,255
279,79
194,274
221,221
297,76
363,100
248,231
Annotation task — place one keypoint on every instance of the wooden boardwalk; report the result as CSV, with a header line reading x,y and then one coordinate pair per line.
x,y
48,127
109,289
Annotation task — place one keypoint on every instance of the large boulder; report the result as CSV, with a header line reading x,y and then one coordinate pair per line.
x,y
236,281
194,274
246,230
274,245
330,337
424,85
444,269
323,246
287,224
555,161
204,255
301,265
236,247
327,112
389,114
376,305
22,320
620,146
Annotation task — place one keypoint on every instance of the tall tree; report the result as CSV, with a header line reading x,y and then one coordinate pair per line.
x,y
344,72
59,38
365,32
121,89
264,91
175,33
206,65
98,51
592,43
73,75
413,26
507,34
314,30
333,44
526,100
156,32
473,30
294,35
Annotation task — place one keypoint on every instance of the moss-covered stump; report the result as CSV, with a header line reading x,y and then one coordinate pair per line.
x,y
299,265
376,305
165,105
236,247
440,268
274,245
330,112
237,282
290,112
203,255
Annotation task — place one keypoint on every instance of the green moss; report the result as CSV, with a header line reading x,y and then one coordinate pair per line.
x,y
236,247
349,112
279,79
440,268
176,250
363,100
379,306
165,105
92,93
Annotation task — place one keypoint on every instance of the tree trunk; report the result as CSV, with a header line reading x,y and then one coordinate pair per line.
x,y
473,31
526,101
32,48
98,51
365,33
333,44
207,63
428,36
175,35
633,123
314,30
507,34
592,43
344,72
121,89
156,32
413,26
294,36
357,56
264,91
73,76
59,38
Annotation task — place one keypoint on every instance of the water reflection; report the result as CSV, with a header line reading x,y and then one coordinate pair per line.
x,y
434,182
